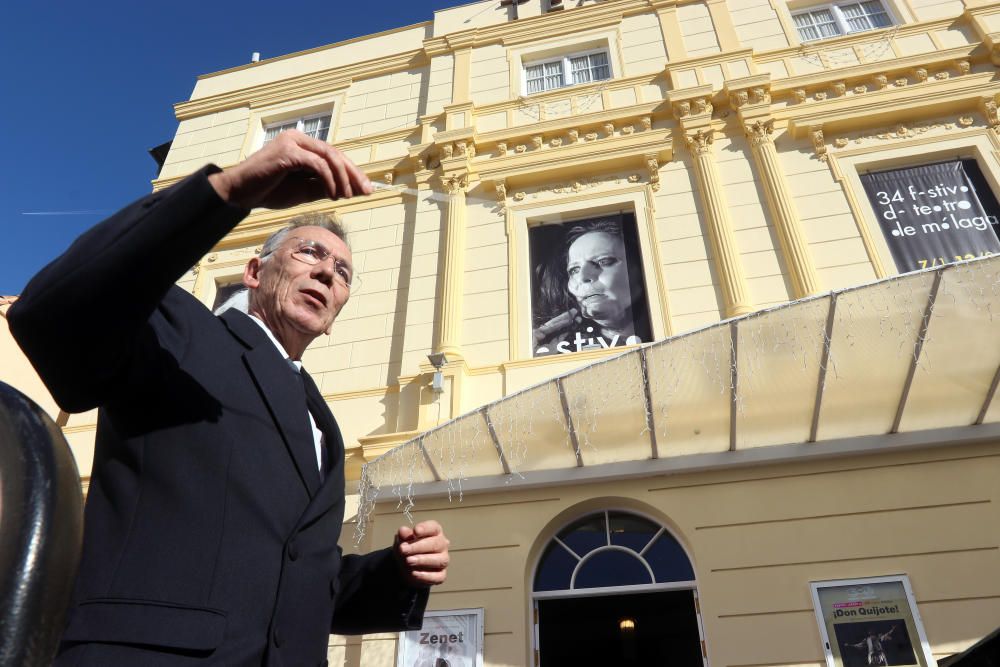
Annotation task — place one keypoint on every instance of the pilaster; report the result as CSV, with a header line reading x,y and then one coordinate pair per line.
x,y
693,109
453,266
724,29
751,98
461,46
670,26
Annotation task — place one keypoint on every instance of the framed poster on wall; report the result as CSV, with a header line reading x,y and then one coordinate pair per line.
x,y
587,288
934,214
870,623
452,638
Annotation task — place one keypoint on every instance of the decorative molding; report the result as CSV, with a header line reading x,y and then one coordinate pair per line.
x,y
881,81
387,177
653,167
904,131
988,107
501,148
759,131
840,88
963,66
609,129
819,144
317,83
700,141
555,142
920,74
456,183
628,129
579,184
574,136
647,123
537,141
501,189
799,95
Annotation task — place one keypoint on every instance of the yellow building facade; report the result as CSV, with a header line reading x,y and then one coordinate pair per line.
x,y
777,447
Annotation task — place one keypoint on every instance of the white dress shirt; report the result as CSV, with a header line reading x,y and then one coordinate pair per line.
x,y
317,434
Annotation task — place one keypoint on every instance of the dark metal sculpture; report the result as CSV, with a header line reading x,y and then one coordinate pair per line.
x,y
41,529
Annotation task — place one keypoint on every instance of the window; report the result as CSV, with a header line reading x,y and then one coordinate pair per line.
x,y
316,127
567,71
841,19
614,588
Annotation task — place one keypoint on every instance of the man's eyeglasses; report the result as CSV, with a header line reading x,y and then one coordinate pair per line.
x,y
313,253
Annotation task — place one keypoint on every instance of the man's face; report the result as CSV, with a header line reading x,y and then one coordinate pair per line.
x,y
598,276
295,298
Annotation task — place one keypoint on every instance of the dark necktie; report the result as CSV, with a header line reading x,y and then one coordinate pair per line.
x,y
324,457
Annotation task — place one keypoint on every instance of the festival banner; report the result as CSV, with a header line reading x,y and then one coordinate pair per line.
x,y
934,214
447,639
587,290
870,623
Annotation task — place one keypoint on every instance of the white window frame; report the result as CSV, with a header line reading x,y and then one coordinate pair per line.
x,y
567,71
534,596
840,20
299,124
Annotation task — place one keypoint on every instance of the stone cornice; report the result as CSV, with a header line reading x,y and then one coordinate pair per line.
x,y
317,49
866,70
568,122
650,142
327,81
894,105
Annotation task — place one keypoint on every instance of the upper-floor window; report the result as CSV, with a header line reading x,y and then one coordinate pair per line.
x,y
567,71
840,19
316,126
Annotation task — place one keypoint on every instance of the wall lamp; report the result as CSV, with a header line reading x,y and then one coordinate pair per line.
x,y
438,361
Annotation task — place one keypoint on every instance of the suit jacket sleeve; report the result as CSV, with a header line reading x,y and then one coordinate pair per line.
x,y
373,597
79,319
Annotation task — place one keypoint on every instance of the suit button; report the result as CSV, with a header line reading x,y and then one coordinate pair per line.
x,y
293,551
276,637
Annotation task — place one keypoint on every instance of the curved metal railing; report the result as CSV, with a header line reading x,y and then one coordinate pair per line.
x,y
41,529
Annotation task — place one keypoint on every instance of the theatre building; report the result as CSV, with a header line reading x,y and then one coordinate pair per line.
x,y
633,323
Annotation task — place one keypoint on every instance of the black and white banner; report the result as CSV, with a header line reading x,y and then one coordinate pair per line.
x,y
587,289
934,214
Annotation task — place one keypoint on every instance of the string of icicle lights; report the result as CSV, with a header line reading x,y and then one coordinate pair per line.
x,y
766,374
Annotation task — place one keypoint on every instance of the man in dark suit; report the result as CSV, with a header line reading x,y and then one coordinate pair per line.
x,y
217,493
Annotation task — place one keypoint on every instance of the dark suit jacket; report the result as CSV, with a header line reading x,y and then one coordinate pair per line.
x,y
209,538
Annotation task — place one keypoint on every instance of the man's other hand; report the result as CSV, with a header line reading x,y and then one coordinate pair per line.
x,y
291,169
423,553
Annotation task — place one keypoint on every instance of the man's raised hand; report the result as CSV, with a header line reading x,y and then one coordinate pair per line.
x,y
291,169
422,552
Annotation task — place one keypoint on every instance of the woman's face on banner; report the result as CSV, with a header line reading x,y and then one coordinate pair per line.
x,y
598,276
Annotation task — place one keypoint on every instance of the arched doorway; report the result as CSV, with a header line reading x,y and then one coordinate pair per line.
x,y
615,588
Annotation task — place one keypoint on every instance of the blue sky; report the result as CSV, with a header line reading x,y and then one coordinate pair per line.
x,y
88,88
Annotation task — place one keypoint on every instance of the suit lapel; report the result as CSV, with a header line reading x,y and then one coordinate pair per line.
x,y
282,393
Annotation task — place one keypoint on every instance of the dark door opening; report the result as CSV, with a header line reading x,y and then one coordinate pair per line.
x,y
594,631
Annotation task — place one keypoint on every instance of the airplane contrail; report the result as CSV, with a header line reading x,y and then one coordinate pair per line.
x,y
95,212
